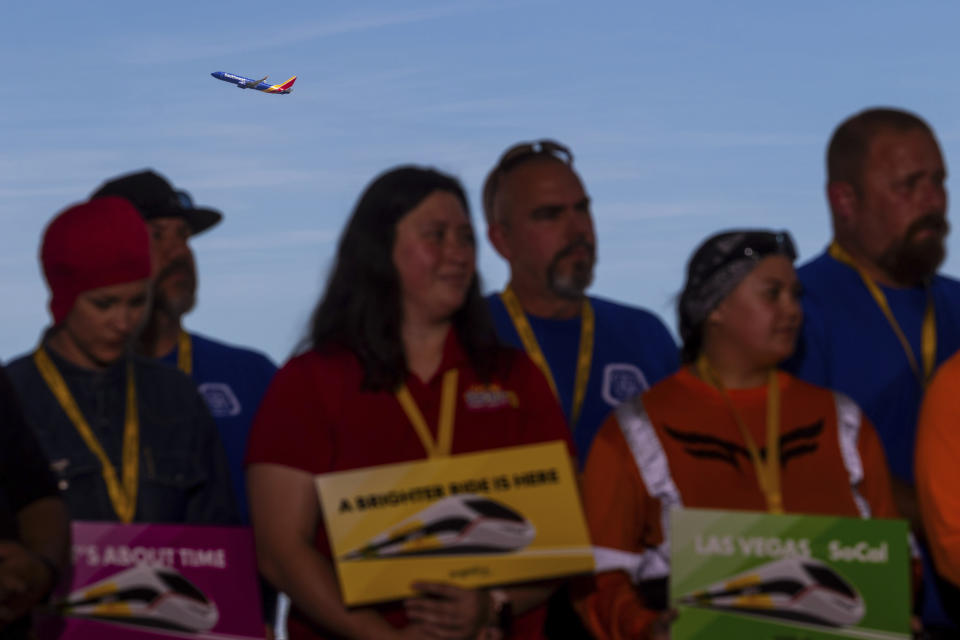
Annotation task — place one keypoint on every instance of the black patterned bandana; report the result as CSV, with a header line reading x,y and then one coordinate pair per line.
x,y
719,265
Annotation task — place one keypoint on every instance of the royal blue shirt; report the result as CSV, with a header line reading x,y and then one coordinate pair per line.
x,y
848,345
232,381
632,350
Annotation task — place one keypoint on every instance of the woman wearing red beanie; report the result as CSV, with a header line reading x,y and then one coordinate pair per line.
x,y
128,437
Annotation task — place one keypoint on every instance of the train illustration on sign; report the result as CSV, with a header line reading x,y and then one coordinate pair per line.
x,y
794,588
458,525
144,596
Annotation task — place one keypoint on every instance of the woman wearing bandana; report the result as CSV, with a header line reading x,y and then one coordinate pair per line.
x,y
727,431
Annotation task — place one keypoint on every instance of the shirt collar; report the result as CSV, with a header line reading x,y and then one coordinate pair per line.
x,y
68,369
454,356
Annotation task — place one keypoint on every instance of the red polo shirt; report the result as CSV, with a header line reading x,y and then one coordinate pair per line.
x,y
315,417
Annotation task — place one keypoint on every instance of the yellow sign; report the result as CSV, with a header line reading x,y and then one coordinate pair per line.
x,y
495,517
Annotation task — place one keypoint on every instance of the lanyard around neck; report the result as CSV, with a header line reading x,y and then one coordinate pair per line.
x,y
928,334
532,347
123,498
185,353
448,406
768,471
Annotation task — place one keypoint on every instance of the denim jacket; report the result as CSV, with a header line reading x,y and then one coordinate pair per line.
x,y
183,473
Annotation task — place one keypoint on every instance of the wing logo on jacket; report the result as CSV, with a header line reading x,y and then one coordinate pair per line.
x,y
798,442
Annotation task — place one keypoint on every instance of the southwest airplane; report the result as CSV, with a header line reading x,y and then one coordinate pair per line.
x,y
259,85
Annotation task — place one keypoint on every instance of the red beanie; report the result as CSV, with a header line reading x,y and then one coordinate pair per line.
x,y
91,245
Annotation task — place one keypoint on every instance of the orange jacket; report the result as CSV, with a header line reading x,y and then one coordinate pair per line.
x,y
678,445
937,465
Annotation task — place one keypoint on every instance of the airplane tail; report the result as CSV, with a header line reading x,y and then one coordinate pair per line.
x,y
286,86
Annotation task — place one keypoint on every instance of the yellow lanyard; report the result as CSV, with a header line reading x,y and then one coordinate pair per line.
x,y
123,498
448,408
532,347
768,471
928,334
184,353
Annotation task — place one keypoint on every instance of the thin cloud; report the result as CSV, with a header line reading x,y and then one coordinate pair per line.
x,y
745,138
268,241
691,138
184,49
245,176
631,211
51,166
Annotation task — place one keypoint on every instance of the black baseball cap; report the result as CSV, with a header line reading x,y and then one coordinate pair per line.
x,y
155,197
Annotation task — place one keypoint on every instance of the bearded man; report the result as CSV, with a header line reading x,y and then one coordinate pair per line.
x,y
595,353
231,379
878,319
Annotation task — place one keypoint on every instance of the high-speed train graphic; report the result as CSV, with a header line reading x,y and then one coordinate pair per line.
x,y
458,525
146,596
793,588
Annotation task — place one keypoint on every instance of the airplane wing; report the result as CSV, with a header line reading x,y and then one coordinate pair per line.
x,y
252,83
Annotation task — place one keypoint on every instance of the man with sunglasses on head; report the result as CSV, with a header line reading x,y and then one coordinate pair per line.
x,y
878,317
231,379
594,353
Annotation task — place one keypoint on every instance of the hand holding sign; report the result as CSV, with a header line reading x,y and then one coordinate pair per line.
x,y
24,580
448,611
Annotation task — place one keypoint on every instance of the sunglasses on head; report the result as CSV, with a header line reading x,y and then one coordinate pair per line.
x,y
755,245
759,245
518,154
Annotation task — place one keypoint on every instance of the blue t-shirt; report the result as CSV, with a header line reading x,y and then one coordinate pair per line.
x,y
632,350
848,345
232,381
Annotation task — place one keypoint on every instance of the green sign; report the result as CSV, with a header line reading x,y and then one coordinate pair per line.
x,y
787,577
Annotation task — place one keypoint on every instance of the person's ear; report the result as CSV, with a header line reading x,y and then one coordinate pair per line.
x,y
716,316
844,202
498,234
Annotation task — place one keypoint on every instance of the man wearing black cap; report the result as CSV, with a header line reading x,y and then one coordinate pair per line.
x,y
232,380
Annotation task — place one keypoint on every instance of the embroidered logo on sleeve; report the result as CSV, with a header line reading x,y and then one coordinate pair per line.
x,y
622,381
493,396
221,400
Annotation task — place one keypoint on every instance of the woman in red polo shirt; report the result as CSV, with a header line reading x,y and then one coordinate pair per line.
x,y
402,319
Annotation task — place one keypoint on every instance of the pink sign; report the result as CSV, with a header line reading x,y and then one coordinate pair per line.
x,y
155,581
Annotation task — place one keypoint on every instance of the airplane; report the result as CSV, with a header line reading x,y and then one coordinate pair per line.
x,y
259,85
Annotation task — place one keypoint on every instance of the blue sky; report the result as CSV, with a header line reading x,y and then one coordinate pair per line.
x,y
684,119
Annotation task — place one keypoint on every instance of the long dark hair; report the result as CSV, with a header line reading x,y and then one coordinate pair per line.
x,y
361,307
